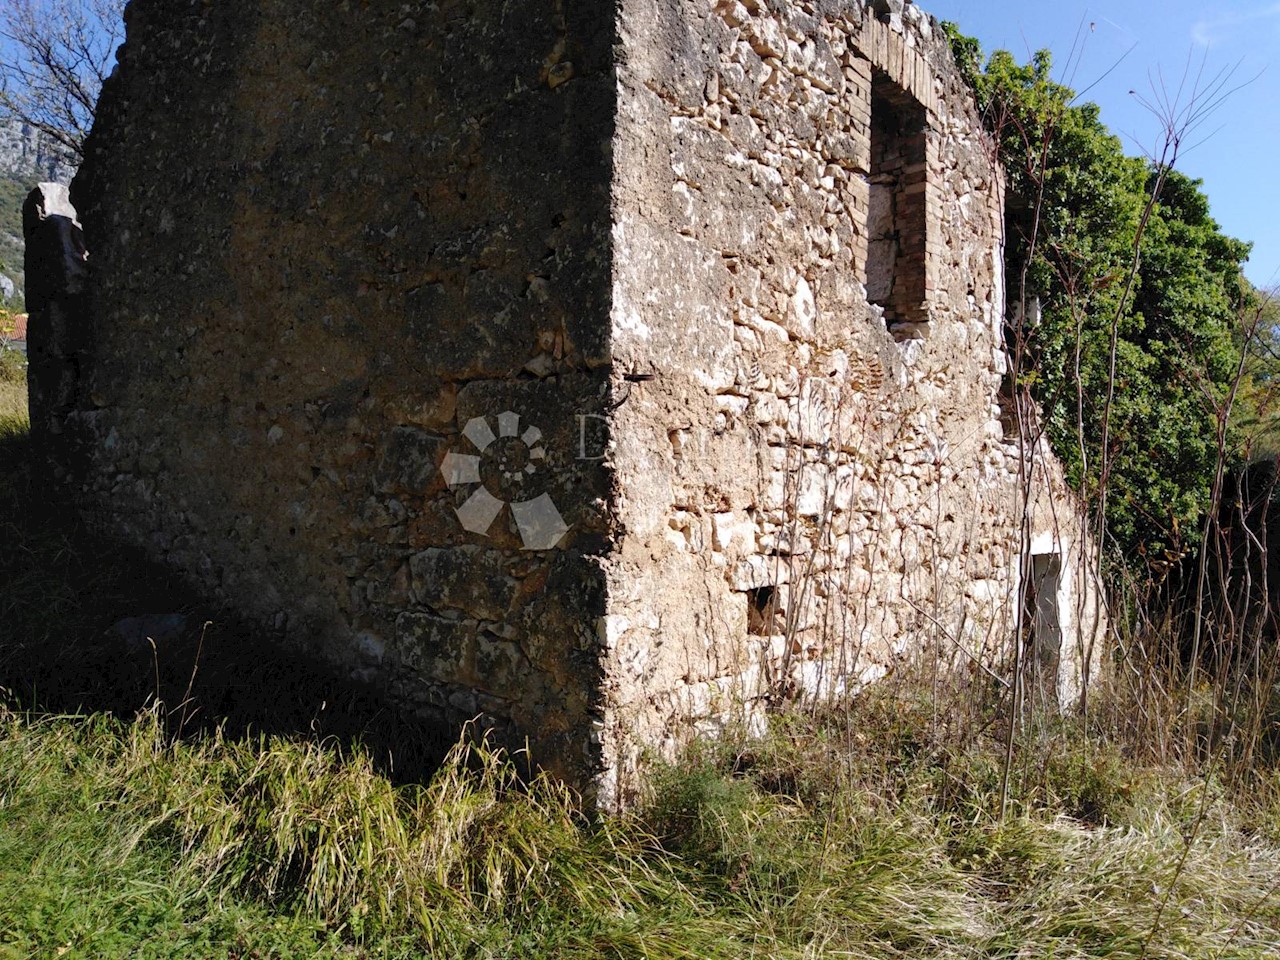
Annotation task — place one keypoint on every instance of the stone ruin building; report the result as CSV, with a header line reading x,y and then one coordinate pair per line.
x,y
607,370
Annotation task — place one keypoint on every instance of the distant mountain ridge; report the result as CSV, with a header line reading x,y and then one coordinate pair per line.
x,y
26,158
27,154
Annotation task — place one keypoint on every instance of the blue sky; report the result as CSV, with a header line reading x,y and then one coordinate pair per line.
x,y
1239,156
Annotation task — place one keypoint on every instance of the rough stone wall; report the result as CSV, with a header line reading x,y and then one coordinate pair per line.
x,y
520,357
59,344
812,485
325,238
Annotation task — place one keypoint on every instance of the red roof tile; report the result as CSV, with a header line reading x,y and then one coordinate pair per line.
x,y
20,327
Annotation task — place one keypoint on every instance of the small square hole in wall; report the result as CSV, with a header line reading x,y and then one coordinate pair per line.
x,y
762,611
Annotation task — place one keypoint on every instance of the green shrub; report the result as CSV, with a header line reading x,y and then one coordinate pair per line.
x,y
13,367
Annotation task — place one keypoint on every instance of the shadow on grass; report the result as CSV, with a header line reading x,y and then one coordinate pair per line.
x,y
64,590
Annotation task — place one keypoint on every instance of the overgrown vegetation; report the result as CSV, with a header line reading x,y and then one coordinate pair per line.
x,y
1125,296
1256,414
117,841
1151,365
13,406
13,386
12,193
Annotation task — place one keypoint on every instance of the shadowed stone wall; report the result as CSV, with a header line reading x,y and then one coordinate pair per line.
x,y
59,330
326,237
521,357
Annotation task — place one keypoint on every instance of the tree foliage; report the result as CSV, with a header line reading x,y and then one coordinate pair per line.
x,y
1256,413
1134,347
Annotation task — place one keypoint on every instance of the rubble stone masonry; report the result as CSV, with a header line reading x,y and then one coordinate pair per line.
x,y
608,370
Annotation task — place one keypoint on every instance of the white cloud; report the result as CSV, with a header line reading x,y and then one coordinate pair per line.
x,y
1218,29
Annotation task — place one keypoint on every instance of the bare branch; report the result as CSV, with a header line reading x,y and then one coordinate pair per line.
x,y
54,57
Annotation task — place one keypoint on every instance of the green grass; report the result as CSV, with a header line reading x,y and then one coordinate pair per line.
x,y
13,191
117,841
13,394
868,832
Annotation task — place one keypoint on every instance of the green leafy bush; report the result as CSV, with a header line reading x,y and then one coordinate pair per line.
x,y
1163,285
13,367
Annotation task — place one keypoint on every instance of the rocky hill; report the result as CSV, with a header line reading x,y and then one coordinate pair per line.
x,y
26,158
24,151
